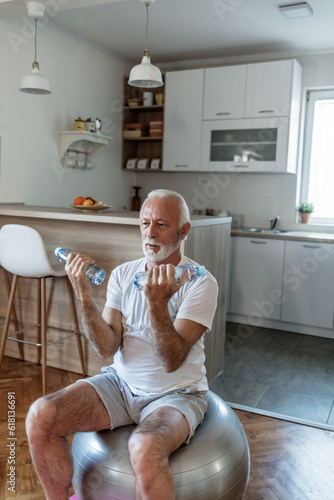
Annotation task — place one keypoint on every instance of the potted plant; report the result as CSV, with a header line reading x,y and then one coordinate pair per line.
x,y
305,209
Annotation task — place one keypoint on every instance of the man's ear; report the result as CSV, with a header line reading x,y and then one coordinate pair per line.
x,y
185,230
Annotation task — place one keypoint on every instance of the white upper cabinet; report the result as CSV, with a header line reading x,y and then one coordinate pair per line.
x,y
233,118
183,120
272,88
252,90
251,117
224,93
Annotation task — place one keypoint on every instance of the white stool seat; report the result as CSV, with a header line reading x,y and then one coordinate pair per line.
x,y
23,254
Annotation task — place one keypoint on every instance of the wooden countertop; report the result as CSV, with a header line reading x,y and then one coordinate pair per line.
x,y
107,216
132,219
293,235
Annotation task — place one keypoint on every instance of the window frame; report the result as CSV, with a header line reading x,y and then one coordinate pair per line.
x,y
312,95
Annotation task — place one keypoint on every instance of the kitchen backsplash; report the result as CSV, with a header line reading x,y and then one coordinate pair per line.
x,y
256,197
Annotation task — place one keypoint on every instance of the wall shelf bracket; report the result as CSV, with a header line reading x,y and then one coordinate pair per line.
x,y
80,142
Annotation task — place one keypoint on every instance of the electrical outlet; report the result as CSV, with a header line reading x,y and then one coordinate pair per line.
x,y
202,182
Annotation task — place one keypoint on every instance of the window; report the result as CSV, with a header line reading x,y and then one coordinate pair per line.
x,y
318,161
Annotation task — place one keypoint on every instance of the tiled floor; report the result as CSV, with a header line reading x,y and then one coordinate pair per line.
x,y
287,375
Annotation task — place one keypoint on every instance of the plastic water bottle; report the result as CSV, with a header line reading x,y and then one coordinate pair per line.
x,y
94,273
183,274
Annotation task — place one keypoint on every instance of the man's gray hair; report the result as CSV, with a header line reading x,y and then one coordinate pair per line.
x,y
165,193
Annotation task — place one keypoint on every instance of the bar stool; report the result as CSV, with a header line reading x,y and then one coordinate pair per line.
x,y
14,317
23,253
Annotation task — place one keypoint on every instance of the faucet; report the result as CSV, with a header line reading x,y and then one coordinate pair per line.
x,y
273,222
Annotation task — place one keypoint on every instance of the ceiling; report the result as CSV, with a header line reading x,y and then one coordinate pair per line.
x,y
190,29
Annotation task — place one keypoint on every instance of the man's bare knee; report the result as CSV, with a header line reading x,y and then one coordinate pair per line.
x,y
40,419
146,451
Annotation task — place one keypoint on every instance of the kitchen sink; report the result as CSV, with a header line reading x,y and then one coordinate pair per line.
x,y
263,231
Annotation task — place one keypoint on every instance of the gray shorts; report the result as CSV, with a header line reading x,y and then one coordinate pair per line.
x,y
126,408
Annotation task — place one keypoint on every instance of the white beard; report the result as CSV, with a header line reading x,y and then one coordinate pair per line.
x,y
163,253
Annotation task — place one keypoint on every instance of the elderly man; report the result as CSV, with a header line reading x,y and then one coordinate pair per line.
x,y
157,379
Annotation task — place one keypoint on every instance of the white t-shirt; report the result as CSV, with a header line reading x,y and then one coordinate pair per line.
x,y
135,360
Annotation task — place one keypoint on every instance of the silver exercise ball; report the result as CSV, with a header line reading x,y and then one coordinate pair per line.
x,y
214,465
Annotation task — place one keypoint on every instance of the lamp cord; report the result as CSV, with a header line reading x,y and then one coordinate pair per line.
x,y
35,19
147,6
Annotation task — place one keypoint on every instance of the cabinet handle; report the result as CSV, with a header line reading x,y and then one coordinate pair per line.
x,y
241,165
266,111
260,242
223,113
181,166
311,246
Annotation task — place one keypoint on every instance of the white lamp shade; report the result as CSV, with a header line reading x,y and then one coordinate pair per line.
x,y
35,83
35,10
145,74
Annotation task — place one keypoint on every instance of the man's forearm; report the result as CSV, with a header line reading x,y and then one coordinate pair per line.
x,y
100,334
169,347
97,331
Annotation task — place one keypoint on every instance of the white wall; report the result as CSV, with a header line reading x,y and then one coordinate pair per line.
x,y
86,81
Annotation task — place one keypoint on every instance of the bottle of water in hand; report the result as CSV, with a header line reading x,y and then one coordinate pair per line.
x,y
183,274
94,273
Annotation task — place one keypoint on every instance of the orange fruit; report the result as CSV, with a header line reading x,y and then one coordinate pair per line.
x,y
79,200
88,202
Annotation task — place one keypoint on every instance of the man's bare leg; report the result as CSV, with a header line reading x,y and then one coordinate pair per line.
x,y
53,417
150,445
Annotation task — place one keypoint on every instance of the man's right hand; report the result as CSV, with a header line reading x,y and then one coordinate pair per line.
x,y
75,268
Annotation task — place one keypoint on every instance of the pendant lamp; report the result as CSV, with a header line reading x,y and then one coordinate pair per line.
x,y
145,75
35,83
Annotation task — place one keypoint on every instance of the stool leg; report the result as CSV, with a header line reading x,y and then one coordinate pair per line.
x,y
39,320
76,325
43,325
14,317
8,317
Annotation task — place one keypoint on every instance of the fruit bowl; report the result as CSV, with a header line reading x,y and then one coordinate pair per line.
x,y
92,208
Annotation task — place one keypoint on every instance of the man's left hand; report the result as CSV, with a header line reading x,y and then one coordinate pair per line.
x,y
160,283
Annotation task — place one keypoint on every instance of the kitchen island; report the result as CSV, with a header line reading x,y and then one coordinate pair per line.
x,y
111,238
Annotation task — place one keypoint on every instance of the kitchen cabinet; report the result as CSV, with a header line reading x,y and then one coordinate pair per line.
x,y
183,120
286,286
257,145
260,126
138,143
252,90
308,284
272,88
224,92
256,281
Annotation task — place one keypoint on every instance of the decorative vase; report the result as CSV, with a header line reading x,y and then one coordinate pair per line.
x,y
305,218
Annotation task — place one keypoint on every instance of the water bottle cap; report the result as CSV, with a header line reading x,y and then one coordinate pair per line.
x,y
201,271
136,283
57,250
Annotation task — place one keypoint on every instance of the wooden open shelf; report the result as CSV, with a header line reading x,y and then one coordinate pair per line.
x,y
145,146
